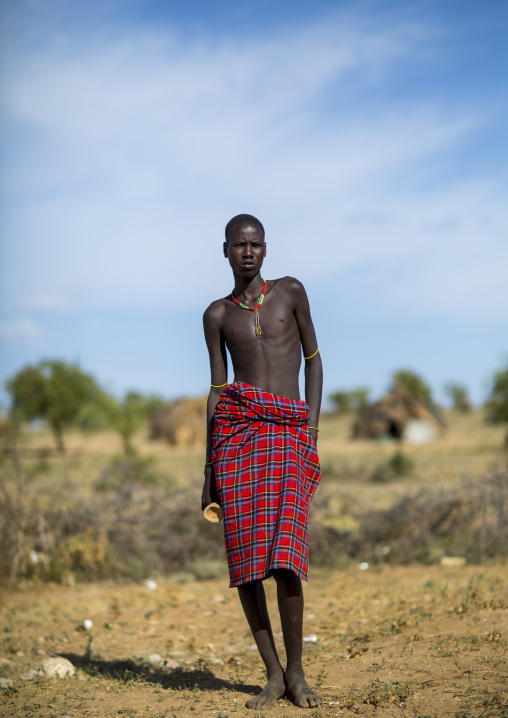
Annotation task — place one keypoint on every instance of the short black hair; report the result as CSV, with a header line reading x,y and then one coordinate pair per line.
x,y
242,218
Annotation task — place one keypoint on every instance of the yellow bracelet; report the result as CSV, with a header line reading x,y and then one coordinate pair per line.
x,y
313,427
312,355
210,463
218,386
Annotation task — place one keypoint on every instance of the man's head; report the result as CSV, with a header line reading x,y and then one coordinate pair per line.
x,y
245,246
240,219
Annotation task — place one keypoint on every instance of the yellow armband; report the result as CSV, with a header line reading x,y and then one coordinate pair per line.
x,y
312,355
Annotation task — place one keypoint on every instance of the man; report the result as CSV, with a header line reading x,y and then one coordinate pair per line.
x,y
261,463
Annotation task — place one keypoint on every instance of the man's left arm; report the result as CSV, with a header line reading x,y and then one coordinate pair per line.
x,y
312,357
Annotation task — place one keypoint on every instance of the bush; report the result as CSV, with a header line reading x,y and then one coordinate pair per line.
x,y
125,417
340,399
346,401
400,464
415,385
471,521
459,397
497,403
126,472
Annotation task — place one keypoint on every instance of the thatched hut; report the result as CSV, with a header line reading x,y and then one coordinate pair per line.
x,y
182,423
400,415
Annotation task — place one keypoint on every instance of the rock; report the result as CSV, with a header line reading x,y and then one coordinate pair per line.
x,y
52,668
453,561
154,659
57,668
30,675
6,683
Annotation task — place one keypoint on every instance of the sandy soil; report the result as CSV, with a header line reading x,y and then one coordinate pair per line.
x,y
393,641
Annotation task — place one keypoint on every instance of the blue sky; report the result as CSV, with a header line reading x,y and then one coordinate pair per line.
x,y
370,139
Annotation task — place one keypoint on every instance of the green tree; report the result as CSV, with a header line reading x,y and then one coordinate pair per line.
x,y
358,399
341,401
128,415
354,400
415,385
497,402
459,397
53,391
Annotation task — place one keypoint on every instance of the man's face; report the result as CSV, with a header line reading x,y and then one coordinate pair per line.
x,y
245,249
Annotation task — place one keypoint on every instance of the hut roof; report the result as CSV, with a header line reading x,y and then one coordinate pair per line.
x,y
392,413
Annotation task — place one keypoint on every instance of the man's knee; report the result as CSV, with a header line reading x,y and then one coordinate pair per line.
x,y
251,588
287,577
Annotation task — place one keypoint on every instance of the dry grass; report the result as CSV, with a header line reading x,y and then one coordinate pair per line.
x,y
394,641
420,640
89,515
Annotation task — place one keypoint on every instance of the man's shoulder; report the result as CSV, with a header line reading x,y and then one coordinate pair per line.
x,y
216,309
289,285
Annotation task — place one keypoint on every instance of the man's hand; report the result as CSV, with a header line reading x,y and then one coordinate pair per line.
x,y
209,494
314,435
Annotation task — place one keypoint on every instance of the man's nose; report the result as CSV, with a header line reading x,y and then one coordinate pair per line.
x,y
247,250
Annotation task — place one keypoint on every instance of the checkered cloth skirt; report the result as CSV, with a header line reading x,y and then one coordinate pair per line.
x,y
266,469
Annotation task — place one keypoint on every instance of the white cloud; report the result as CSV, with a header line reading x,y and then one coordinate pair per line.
x,y
20,331
131,153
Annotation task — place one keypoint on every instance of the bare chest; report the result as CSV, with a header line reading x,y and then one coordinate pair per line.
x,y
275,318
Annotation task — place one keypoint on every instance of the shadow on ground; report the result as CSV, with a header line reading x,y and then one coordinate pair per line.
x,y
201,678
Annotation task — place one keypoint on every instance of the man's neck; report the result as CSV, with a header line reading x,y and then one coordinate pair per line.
x,y
250,288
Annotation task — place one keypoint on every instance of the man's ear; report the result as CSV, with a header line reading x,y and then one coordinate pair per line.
x,y
264,255
225,249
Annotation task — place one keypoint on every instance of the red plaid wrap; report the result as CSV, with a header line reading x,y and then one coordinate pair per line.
x,y
266,469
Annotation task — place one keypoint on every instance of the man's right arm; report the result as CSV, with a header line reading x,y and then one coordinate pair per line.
x,y
218,367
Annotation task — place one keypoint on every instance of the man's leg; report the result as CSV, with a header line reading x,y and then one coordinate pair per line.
x,y
252,597
290,598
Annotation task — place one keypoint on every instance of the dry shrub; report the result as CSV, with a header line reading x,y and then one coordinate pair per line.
x,y
5,426
470,521
400,464
126,472
378,693
327,545
182,423
84,555
54,546
135,524
140,525
168,535
133,534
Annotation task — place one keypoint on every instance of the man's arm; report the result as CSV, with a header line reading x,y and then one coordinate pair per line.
x,y
218,366
313,364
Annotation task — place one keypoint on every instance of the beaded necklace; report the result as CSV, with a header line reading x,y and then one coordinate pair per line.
x,y
259,331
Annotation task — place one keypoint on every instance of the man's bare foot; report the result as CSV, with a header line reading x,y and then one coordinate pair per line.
x,y
274,689
298,691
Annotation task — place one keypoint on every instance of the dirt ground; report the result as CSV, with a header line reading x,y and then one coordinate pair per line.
x,y
419,641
